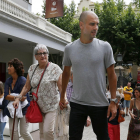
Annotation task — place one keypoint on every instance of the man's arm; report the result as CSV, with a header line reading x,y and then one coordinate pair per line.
x,y
112,86
127,92
65,80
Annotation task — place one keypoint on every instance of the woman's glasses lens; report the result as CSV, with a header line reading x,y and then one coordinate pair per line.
x,y
44,53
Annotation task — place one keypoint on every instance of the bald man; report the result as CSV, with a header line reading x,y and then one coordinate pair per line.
x,y
90,59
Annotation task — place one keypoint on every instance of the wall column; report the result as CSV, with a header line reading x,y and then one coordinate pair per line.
x,y
34,60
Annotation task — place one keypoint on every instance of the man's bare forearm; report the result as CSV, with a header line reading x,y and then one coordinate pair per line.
x,y
127,92
65,80
113,86
112,82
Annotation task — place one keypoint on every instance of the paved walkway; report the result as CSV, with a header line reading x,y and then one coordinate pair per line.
x,y
88,132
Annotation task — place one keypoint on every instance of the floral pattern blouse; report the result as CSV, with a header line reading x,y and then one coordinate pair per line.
x,y
48,95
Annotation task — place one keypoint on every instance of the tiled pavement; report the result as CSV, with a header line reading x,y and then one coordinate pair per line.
x,y
88,132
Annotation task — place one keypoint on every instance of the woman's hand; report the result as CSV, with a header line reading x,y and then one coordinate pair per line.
x,y
63,103
23,98
16,103
132,115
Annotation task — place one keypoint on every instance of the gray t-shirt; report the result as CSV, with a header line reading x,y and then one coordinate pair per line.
x,y
89,63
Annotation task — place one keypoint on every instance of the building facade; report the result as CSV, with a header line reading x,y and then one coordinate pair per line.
x,y
87,4
20,32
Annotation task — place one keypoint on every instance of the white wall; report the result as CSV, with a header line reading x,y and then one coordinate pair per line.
x,y
24,4
34,34
7,54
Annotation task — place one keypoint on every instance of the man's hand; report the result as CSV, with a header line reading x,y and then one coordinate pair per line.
x,y
16,103
112,109
88,121
63,103
127,92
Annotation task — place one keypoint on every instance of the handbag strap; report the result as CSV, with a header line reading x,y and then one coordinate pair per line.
x,y
40,81
32,76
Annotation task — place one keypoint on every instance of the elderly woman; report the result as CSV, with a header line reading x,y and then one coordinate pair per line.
x,y
48,95
14,84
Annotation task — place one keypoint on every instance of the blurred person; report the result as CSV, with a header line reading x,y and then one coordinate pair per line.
x,y
14,84
108,95
120,90
127,91
114,125
134,110
137,85
3,116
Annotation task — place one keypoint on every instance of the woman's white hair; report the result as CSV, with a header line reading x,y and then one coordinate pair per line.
x,y
40,46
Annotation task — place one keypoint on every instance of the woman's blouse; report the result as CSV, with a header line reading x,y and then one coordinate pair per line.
x,y
136,112
48,95
17,89
2,117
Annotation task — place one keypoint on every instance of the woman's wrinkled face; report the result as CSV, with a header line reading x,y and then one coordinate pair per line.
x,y
11,69
42,56
137,94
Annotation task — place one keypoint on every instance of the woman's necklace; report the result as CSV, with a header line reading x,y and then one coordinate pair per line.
x,y
13,83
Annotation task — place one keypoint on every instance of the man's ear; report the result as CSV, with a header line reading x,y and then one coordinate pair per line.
x,y
81,24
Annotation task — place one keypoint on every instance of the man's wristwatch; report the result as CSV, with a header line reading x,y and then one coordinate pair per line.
x,y
114,100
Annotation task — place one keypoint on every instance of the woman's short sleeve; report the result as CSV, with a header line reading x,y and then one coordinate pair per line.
x,y
56,72
31,69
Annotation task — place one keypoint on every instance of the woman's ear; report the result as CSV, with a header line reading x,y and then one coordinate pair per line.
x,y
36,57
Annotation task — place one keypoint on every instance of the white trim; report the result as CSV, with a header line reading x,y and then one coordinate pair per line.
x,y
11,9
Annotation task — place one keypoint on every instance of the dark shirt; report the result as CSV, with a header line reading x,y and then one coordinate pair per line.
x,y
17,89
115,120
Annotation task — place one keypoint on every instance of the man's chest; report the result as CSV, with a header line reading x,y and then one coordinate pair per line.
x,y
86,56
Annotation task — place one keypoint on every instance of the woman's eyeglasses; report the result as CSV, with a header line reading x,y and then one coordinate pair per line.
x,y
40,54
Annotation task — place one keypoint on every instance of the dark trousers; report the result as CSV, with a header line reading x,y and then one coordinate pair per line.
x,y
78,116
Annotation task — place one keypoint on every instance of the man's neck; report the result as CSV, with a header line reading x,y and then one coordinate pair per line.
x,y
85,41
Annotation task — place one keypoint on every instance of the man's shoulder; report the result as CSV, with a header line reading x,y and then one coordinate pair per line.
x,y
104,44
72,44
101,42
125,87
